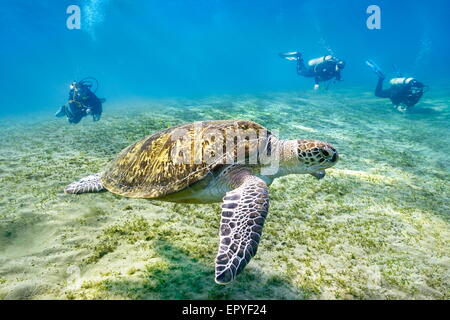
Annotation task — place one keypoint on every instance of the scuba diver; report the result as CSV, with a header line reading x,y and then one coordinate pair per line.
x,y
404,92
321,69
82,102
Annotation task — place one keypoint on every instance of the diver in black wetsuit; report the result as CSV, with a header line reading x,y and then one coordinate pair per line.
x,y
82,102
321,69
404,92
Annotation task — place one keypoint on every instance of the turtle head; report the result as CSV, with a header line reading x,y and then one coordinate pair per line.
x,y
309,157
315,156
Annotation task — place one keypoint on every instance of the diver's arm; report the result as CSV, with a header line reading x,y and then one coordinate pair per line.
x,y
338,75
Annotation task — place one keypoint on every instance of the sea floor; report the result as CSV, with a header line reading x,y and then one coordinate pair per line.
x,y
376,227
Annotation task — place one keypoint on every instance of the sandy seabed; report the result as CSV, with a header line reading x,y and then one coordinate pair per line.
x,y
376,227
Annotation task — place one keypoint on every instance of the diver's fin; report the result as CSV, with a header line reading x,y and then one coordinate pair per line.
x,y
61,112
291,55
372,65
319,174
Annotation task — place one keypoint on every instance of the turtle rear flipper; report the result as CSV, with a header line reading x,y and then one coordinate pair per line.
x,y
87,184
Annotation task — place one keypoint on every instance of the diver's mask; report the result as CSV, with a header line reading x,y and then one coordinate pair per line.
x,y
414,91
341,64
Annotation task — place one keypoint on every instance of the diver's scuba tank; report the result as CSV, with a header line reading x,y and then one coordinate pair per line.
x,y
315,62
397,82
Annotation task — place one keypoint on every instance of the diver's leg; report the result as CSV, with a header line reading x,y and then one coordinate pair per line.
x,y
301,68
75,119
379,92
379,87
96,116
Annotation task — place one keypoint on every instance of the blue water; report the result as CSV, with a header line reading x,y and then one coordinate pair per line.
x,y
187,48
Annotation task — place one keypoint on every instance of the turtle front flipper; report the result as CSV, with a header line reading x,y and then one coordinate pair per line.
x,y
87,184
244,210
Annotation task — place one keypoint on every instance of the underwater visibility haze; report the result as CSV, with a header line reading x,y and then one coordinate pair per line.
x,y
376,226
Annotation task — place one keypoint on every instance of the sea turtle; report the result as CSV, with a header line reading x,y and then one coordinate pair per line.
x,y
209,161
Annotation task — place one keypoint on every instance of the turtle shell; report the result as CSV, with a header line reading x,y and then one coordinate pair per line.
x,y
170,160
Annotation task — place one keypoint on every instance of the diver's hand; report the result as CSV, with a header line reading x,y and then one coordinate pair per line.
x,y
401,108
88,111
316,87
